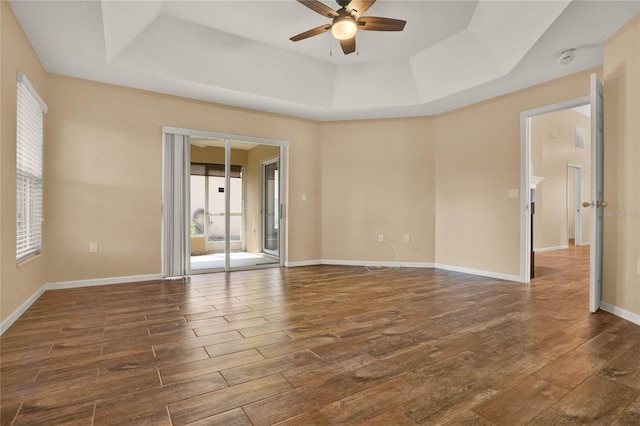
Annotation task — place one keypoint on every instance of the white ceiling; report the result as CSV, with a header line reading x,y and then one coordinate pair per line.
x,y
451,53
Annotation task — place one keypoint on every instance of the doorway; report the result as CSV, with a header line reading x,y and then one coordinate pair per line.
x,y
597,204
237,200
226,189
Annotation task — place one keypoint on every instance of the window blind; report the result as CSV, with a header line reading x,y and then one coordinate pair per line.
x,y
201,169
29,141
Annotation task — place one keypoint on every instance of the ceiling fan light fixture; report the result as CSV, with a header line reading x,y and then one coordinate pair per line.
x,y
344,28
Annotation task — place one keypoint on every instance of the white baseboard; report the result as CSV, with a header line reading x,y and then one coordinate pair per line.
x,y
359,263
8,322
471,271
489,274
303,263
102,281
377,263
619,312
537,250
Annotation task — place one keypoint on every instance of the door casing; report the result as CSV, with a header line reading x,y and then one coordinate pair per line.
x,y
525,173
597,153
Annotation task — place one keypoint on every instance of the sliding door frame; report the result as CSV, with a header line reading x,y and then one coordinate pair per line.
x,y
263,206
228,138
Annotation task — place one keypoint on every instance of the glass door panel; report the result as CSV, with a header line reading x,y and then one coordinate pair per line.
x,y
197,206
203,226
216,228
236,212
199,222
271,207
235,205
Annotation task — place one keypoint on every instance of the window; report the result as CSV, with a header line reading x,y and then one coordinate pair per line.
x,y
208,201
29,141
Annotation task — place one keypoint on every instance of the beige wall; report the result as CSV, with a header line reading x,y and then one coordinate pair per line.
x,y
553,142
17,283
378,178
104,168
478,161
621,281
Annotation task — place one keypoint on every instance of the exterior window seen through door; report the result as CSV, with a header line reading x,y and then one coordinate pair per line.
x,y
208,204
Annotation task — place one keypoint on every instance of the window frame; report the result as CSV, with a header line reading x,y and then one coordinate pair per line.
x,y
30,111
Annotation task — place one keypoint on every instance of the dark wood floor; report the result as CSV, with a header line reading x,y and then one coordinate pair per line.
x,y
325,345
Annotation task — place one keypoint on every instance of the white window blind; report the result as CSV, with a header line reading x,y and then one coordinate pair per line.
x,y
29,141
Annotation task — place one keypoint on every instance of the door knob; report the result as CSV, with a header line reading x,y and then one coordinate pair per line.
x,y
598,204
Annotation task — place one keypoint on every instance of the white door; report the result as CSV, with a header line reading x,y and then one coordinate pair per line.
x,y
597,192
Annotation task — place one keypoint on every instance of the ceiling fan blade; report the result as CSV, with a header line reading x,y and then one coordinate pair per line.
x,y
313,32
371,23
359,6
320,8
349,45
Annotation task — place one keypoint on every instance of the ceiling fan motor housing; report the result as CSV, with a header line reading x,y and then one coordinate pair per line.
x,y
346,21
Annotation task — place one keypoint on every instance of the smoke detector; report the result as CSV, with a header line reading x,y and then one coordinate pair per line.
x,y
566,57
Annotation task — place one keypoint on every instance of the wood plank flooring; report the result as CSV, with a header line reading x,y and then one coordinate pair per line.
x,y
324,345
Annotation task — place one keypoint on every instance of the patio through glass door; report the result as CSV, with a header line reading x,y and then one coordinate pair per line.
x,y
235,220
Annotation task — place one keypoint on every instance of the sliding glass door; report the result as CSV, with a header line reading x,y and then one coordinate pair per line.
x,y
235,205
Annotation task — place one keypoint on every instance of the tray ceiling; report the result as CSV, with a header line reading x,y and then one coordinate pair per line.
x,y
451,53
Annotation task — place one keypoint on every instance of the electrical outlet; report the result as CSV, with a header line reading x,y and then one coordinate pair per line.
x,y
93,247
304,197
407,238
638,267
381,238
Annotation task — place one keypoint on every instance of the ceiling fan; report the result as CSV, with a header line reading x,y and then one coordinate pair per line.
x,y
347,21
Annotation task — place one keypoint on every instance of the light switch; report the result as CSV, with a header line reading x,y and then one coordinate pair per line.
x,y
304,196
513,193
93,247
